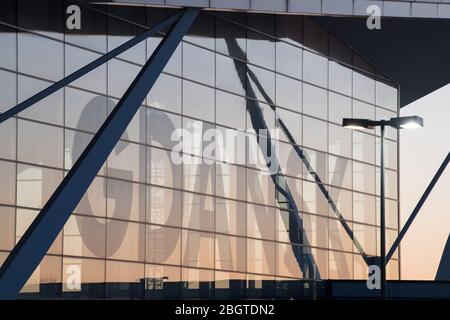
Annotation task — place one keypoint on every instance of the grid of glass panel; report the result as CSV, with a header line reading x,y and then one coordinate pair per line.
x,y
148,227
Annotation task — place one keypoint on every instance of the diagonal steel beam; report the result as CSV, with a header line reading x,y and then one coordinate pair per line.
x,y
418,207
87,68
36,241
311,170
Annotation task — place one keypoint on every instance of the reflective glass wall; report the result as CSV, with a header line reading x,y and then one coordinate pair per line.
x,y
217,224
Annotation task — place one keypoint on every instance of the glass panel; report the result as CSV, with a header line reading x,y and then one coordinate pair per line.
x,y
263,190
313,136
198,249
76,58
343,201
289,226
289,28
35,185
316,231
125,240
24,218
198,175
340,172
363,147
230,217
287,263
230,253
338,237
7,227
290,163
363,177
85,236
261,256
318,162
315,101
127,161
120,76
198,64
262,78
260,222
85,111
363,87
367,237
8,141
289,59
315,69
126,200
230,110
94,200
166,93
364,208
314,200
198,101
163,245
40,144
231,74
8,96
386,96
230,181
390,153
341,265
8,179
340,107
160,128
340,78
293,123
74,144
340,141
40,56
8,40
288,93
163,206
198,212
49,109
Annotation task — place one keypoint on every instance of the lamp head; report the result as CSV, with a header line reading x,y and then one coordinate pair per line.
x,y
412,122
357,123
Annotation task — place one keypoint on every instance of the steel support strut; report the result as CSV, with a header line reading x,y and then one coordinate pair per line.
x,y
36,241
87,68
418,207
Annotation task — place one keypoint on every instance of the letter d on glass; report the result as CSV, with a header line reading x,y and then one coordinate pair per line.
x,y
374,279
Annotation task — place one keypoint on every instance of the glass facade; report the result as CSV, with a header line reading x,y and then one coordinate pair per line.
x,y
214,226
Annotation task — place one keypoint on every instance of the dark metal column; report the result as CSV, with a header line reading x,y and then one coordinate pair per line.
x,y
36,241
382,220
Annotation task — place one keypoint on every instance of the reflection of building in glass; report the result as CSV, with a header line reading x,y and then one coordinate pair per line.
x,y
151,228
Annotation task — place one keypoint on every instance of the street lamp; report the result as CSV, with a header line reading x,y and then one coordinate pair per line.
x,y
411,122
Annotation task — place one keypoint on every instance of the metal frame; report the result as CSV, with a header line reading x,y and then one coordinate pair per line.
x,y
36,241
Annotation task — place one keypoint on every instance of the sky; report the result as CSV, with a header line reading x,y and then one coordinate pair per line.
x,y
421,153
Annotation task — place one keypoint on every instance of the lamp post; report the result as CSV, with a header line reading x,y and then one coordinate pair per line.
x,y
411,122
